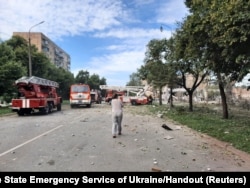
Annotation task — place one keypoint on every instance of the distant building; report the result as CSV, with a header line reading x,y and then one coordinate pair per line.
x,y
56,55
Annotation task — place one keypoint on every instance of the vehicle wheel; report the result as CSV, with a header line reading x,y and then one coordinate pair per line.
x,y
28,111
59,107
45,110
133,103
50,107
20,112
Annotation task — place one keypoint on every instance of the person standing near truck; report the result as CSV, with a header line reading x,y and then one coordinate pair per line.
x,y
117,115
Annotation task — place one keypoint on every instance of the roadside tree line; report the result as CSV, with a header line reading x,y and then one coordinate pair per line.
x,y
213,40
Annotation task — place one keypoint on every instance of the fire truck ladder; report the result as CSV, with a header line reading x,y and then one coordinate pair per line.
x,y
121,88
37,80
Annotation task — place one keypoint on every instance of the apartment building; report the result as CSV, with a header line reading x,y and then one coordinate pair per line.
x,y
56,55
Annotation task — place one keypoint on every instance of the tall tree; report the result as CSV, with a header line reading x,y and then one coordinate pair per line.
x,y
41,65
20,47
172,76
94,81
224,26
188,57
64,78
82,77
155,68
103,81
10,70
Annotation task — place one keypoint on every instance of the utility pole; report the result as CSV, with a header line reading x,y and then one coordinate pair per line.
x,y
30,63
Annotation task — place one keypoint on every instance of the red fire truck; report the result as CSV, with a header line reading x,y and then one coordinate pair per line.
x,y
36,93
139,94
80,95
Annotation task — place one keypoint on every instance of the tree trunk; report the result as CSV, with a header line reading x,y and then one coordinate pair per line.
x,y
223,97
160,97
171,97
190,99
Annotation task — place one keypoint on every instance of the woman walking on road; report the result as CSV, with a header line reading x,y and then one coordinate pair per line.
x,y
117,115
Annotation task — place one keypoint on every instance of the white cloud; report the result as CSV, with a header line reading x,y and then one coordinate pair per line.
x,y
62,17
137,33
125,26
171,12
115,65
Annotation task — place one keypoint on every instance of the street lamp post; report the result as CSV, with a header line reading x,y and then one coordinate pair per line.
x,y
30,64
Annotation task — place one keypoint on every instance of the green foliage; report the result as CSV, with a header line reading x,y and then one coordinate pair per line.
x,y
82,77
224,27
19,47
64,78
215,38
157,69
5,110
94,80
41,66
154,67
14,64
9,72
6,53
17,42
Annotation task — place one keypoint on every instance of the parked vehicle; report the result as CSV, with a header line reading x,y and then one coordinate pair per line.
x,y
133,94
36,93
80,95
96,96
111,92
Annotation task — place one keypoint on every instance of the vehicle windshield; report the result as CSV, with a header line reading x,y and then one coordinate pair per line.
x,y
79,88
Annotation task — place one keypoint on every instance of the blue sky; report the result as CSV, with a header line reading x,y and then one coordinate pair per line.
x,y
104,37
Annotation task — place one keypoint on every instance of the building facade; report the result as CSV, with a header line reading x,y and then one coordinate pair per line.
x,y
56,55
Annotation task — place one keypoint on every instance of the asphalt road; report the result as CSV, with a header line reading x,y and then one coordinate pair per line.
x,y
80,139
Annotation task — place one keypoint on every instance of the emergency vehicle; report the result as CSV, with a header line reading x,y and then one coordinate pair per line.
x,y
80,95
140,94
35,93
